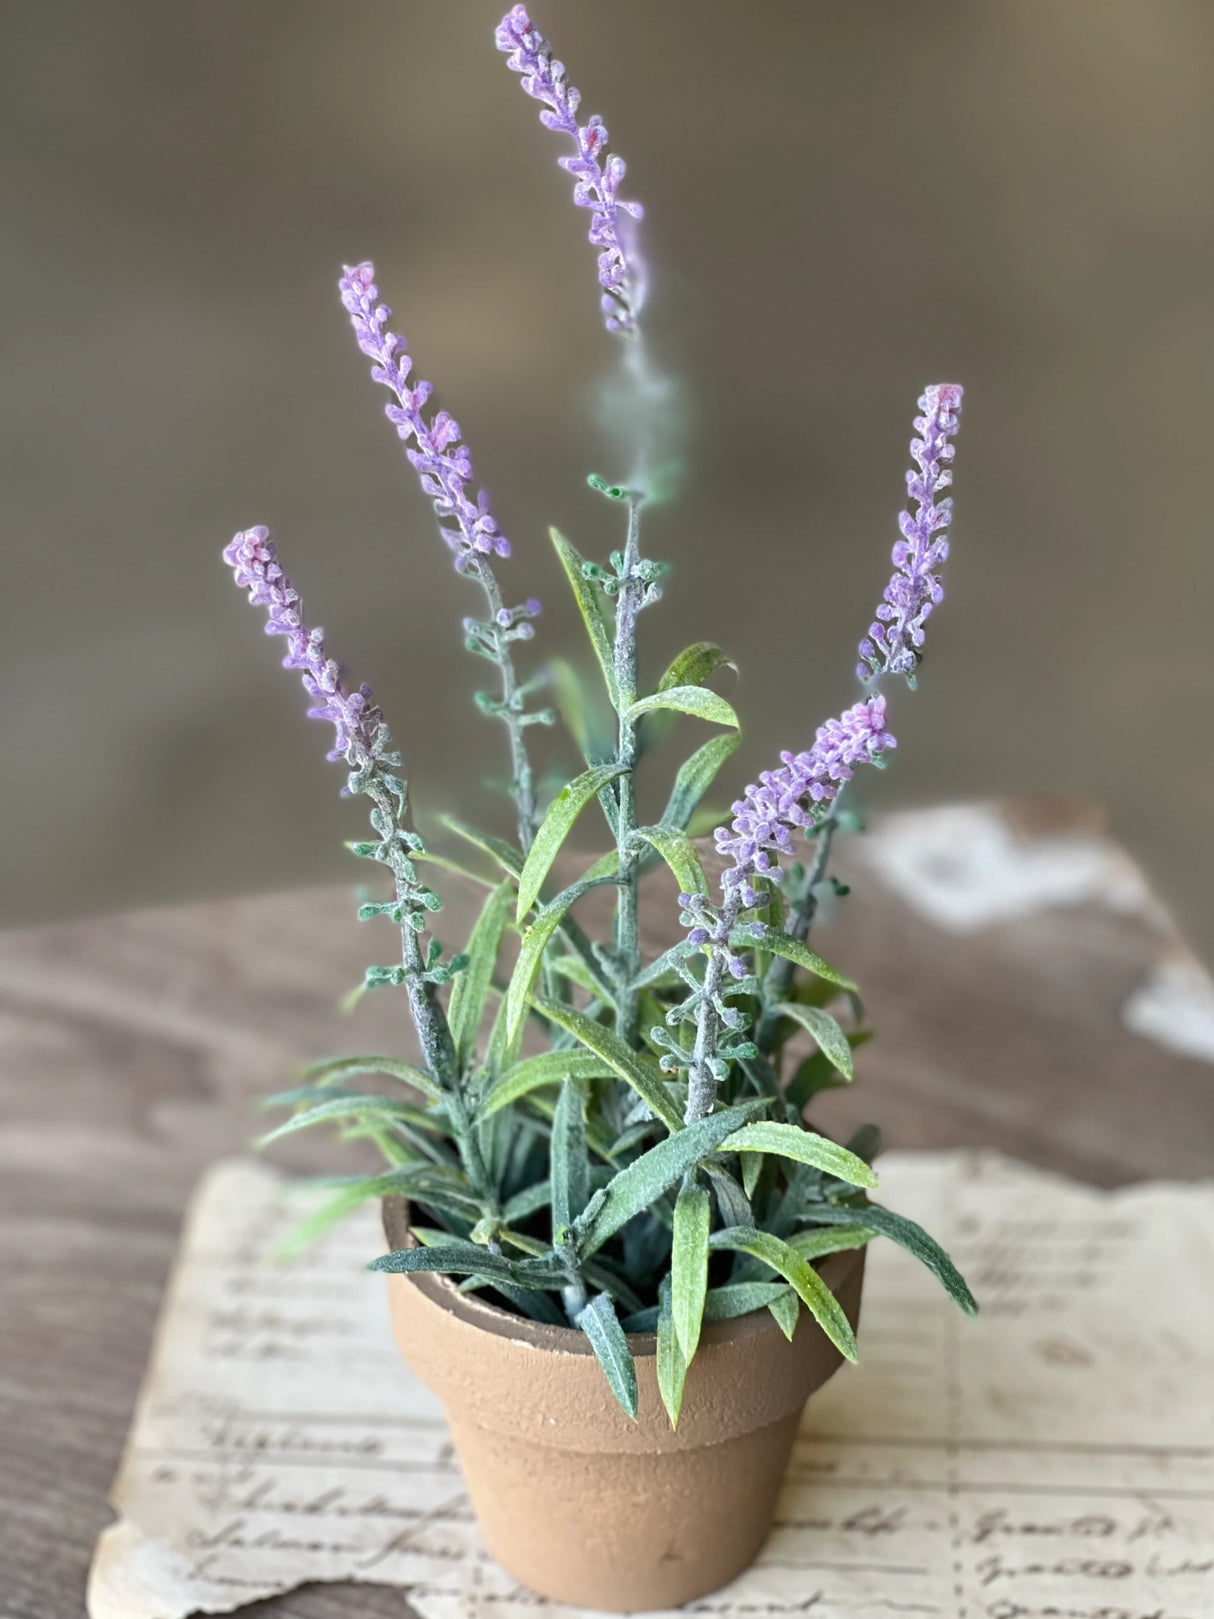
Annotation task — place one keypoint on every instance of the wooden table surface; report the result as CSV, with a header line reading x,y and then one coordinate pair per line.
x,y
132,1047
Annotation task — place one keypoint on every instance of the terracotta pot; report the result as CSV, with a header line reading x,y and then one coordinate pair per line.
x,y
573,1499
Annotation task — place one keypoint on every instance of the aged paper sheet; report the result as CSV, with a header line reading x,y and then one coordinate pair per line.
x,y
1052,1460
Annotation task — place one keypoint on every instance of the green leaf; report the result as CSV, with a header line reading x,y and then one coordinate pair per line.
x,y
472,985
779,944
752,1168
526,1202
640,1071
345,1200
817,1073
819,1300
570,1167
336,1070
466,1259
531,953
790,1141
548,1068
689,1264
642,1182
705,705
695,664
448,864
590,605
832,1042
907,1234
740,1298
679,853
820,1241
601,1325
555,827
695,777
584,724
786,1311
671,1365
505,854
361,1107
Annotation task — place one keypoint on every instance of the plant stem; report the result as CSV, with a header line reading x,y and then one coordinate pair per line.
x,y
701,1081
627,926
800,920
523,781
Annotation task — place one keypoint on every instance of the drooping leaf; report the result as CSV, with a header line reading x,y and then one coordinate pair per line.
x,y
336,1070
680,855
671,1364
695,777
818,1298
786,1311
387,1108
642,1182
780,944
819,1241
570,1167
466,1259
555,827
832,1042
601,1325
740,1298
790,1141
548,1068
591,608
689,1264
505,854
817,1073
697,700
345,1199
639,1070
531,952
908,1235
470,987
695,664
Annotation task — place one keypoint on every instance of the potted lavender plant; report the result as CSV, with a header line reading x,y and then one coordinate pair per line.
x,y
618,1252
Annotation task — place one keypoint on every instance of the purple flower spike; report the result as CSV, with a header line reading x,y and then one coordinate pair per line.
x,y
788,800
596,182
362,737
893,642
443,464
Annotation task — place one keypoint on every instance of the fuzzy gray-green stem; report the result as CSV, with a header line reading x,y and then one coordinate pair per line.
x,y
523,782
627,923
701,1081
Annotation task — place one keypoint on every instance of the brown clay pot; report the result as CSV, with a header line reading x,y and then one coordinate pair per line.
x,y
574,1499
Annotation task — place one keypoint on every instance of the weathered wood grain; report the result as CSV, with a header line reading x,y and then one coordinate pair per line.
x,y
132,1047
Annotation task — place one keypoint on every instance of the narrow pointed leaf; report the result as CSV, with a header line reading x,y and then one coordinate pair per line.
x,y
466,1259
601,1325
671,1365
679,853
740,1298
786,1312
356,1107
555,827
790,1141
570,1167
548,1068
908,1235
695,664
643,1181
531,952
818,1298
639,1070
470,987
832,1042
590,606
819,1241
752,1168
780,944
689,1264
695,777
704,704
507,856
336,1070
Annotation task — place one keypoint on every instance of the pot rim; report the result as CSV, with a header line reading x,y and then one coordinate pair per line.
x,y
479,1312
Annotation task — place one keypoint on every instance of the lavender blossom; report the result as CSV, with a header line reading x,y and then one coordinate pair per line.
x,y
791,799
362,736
443,464
893,642
596,182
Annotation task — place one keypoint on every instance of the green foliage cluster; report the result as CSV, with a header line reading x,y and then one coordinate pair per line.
x,y
550,1158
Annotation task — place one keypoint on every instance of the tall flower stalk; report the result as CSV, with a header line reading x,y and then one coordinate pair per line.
x,y
444,467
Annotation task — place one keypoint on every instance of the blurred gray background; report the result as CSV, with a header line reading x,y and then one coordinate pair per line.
x,y
843,203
